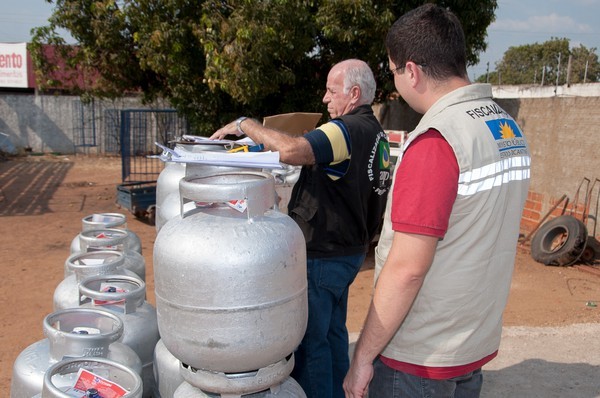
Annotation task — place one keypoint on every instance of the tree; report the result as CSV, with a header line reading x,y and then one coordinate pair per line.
x,y
214,60
585,67
540,64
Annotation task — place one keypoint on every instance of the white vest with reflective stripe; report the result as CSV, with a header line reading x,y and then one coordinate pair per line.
x,y
456,318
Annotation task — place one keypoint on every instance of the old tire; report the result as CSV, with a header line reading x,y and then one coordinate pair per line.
x,y
560,241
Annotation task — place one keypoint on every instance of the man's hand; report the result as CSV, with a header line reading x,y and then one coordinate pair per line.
x,y
356,383
229,129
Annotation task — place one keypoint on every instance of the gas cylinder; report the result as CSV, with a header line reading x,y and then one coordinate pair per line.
x,y
112,239
289,388
82,265
61,377
168,181
230,275
167,184
124,295
166,371
171,202
285,179
71,333
107,220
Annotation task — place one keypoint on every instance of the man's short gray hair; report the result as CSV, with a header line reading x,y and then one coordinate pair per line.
x,y
358,73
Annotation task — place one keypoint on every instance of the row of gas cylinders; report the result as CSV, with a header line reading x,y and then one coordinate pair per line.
x,y
101,320
231,305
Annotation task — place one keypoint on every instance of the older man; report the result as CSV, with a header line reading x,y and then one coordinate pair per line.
x,y
338,203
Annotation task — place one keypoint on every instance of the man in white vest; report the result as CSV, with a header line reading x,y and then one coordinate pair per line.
x,y
446,254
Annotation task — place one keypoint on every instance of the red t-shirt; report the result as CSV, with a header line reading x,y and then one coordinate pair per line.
x,y
424,193
426,186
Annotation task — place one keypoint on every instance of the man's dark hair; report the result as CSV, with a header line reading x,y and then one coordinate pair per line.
x,y
432,37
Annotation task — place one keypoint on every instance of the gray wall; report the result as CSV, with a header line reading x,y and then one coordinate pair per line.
x,y
53,123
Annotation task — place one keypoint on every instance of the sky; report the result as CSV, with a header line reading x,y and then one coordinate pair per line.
x,y
518,22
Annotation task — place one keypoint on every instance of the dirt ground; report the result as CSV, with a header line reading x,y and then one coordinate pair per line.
x,y
44,198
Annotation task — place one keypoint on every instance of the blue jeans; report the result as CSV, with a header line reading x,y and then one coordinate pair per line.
x,y
321,360
390,383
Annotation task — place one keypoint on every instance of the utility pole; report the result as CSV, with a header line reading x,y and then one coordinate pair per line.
x,y
543,74
487,73
557,73
569,69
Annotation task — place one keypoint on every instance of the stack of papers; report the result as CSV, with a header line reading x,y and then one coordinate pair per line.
x,y
296,123
263,160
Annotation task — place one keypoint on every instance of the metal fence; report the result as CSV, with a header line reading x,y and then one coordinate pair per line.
x,y
84,125
140,129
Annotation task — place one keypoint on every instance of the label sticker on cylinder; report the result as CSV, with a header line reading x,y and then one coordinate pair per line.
x,y
239,205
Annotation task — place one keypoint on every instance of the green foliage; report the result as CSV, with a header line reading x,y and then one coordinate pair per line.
x,y
214,60
540,63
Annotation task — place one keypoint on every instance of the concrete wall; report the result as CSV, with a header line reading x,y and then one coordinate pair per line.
x,y
53,123
39,122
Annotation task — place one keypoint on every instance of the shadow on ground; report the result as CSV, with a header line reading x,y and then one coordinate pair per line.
x,y
27,188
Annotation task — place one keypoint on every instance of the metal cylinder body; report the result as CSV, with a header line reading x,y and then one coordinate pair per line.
x,y
63,375
107,220
112,239
166,371
124,295
81,265
70,333
230,285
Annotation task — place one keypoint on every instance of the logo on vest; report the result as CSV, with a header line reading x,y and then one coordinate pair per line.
x,y
508,137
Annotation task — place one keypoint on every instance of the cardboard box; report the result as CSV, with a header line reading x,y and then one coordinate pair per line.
x,y
296,123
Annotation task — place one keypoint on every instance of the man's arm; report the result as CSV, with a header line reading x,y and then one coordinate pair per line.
x,y
294,151
399,282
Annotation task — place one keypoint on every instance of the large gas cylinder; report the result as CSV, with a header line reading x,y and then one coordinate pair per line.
x,y
166,372
62,376
170,206
80,266
112,239
230,275
70,333
107,220
167,184
168,179
125,296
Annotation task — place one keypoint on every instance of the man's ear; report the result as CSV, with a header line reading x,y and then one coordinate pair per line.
x,y
355,93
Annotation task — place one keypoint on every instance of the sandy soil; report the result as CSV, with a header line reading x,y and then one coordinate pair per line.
x,y
42,202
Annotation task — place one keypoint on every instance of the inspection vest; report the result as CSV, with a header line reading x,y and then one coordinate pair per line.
x,y
456,318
